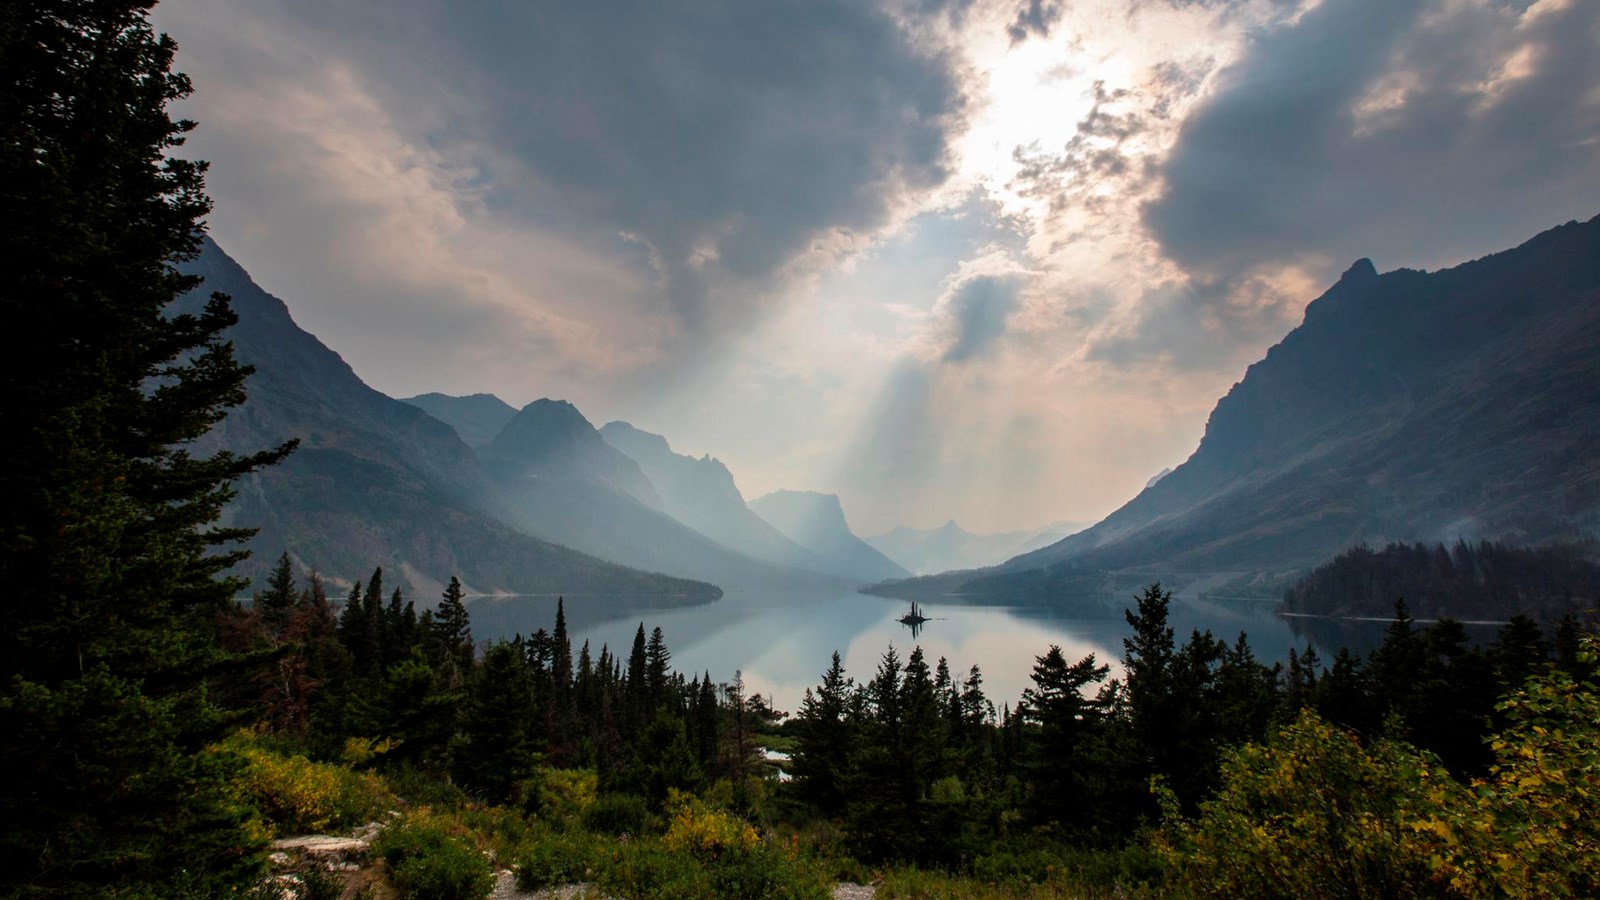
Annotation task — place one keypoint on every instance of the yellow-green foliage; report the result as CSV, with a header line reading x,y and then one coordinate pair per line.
x,y
1532,829
1311,814
1315,814
921,884
565,795
704,831
296,795
358,751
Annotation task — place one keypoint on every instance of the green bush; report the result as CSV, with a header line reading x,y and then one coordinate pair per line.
x,y
424,788
428,863
557,858
565,795
619,814
649,870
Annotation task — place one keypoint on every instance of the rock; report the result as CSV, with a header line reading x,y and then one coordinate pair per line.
x,y
324,848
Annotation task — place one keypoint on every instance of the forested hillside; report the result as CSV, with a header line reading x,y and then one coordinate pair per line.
x,y
1464,581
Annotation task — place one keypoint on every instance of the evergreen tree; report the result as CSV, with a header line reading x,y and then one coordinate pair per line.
x,y
109,551
1065,716
826,738
276,602
450,631
634,691
657,665
495,749
374,637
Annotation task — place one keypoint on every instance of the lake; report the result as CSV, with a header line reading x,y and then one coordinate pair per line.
x,y
782,641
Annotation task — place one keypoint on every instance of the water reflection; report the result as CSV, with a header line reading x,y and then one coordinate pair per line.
x,y
782,640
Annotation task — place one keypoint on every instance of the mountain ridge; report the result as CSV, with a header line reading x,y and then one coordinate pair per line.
x,y
1406,406
375,481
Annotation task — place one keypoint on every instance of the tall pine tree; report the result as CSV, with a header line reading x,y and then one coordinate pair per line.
x,y
110,557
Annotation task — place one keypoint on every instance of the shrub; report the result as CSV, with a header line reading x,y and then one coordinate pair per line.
x,y
704,832
298,795
1312,814
427,862
425,788
566,795
619,814
557,858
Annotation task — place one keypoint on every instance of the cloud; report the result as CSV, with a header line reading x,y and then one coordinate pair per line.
x,y
1445,128
729,139
1034,18
971,314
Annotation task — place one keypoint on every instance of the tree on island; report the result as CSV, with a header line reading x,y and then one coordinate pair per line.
x,y
110,555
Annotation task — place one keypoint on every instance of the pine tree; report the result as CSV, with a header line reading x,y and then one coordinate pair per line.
x,y
658,660
634,692
451,633
821,760
1065,716
275,603
495,749
109,550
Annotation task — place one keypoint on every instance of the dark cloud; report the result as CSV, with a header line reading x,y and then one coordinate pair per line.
x,y
975,312
1034,19
1365,129
1197,325
725,136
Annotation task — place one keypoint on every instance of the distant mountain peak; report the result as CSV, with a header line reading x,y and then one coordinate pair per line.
x,y
1360,270
552,438
816,521
476,417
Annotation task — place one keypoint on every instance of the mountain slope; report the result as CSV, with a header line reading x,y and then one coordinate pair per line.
x,y
477,418
551,439
555,476
701,494
816,522
375,481
1463,403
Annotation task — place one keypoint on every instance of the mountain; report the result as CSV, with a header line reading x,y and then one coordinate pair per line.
x,y
816,522
375,481
701,494
477,418
551,439
1408,406
928,550
1047,535
556,477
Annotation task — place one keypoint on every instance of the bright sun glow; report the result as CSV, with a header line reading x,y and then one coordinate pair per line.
x,y
1035,96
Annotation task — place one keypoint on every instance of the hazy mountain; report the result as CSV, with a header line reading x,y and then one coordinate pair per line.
x,y
551,439
477,418
375,481
1414,406
816,522
928,550
556,477
701,494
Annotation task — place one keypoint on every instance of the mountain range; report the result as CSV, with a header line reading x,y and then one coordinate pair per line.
x,y
928,550
1407,406
701,494
816,522
375,482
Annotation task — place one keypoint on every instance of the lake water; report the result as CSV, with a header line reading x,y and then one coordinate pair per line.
x,y
782,642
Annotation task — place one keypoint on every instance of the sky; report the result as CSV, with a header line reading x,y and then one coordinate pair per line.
x,y
983,260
